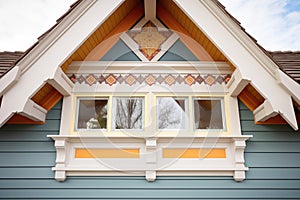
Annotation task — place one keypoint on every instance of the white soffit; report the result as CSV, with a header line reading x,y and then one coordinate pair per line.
x,y
243,53
42,63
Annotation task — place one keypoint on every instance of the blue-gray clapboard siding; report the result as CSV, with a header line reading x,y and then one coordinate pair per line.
x,y
27,155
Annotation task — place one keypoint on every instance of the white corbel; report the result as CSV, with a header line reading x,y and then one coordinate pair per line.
x,y
60,172
237,83
239,172
28,109
151,159
270,109
33,111
264,112
61,82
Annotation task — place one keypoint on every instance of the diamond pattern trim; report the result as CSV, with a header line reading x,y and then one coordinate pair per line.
x,y
150,79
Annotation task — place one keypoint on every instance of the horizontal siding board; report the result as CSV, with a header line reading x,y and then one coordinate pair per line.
x,y
159,184
27,159
252,174
273,174
147,193
273,147
159,198
274,136
272,160
26,173
53,114
242,106
246,115
27,147
57,106
26,136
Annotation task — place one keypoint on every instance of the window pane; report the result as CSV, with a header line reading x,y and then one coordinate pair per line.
x,y
129,113
208,114
92,114
171,113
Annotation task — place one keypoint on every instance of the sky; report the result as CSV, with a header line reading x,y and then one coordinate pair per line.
x,y
274,23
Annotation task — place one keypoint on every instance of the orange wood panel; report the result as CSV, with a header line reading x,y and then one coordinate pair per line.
x,y
50,100
194,153
107,153
274,120
19,119
43,91
251,98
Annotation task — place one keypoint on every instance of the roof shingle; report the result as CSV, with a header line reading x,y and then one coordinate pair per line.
x,y
8,59
289,62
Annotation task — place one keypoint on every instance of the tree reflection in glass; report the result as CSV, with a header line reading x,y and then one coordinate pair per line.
x,y
92,114
171,113
129,113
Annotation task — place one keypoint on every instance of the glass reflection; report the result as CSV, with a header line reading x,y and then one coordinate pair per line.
x,y
92,114
171,113
129,113
208,114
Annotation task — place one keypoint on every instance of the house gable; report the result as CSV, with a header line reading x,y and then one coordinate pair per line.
x,y
221,68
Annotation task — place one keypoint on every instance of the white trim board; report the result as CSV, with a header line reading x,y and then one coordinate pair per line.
x,y
148,67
